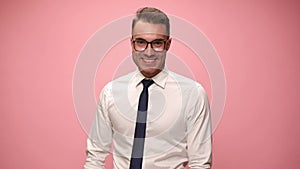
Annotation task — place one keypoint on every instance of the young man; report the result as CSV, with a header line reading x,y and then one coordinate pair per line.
x,y
153,118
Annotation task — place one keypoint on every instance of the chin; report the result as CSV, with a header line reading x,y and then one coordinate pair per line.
x,y
150,72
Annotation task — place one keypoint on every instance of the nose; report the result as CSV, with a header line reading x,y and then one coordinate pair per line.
x,y
148,51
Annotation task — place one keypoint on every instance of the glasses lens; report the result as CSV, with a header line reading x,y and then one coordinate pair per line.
x,y
158,45
140,44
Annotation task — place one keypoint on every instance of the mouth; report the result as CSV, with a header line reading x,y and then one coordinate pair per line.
x,y
149,60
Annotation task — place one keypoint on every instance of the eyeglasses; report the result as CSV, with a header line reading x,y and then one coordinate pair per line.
x,y
140,45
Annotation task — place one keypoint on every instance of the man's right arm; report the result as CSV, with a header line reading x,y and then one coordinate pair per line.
x,y
100,137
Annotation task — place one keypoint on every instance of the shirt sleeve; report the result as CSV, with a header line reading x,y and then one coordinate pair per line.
x,y
199,131
100,137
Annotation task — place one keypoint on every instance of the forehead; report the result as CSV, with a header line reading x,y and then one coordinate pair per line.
x,y
142,28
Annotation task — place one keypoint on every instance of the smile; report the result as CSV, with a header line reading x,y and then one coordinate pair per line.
x,y
146,60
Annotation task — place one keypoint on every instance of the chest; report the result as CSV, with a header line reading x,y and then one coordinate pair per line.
x,y
165,115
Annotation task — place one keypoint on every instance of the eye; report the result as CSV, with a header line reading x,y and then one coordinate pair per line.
x,y
140,42
158,43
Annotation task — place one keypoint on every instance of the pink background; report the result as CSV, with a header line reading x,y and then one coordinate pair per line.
x,y
257,41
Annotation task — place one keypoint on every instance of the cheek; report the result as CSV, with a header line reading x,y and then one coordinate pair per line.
x,y
163,57
136,57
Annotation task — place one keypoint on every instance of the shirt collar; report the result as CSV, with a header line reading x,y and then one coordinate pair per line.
x,y
160,79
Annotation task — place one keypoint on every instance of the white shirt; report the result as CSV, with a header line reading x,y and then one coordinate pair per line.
x,y
178,128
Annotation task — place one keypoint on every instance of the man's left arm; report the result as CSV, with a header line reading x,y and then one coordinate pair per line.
x,y
199,137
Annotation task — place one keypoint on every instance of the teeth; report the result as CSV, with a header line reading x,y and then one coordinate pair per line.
x,y
149,60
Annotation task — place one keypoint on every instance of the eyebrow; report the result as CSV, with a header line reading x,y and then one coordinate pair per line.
x,y
150,41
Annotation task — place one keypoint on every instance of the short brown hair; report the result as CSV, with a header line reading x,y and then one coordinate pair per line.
x,y
152,15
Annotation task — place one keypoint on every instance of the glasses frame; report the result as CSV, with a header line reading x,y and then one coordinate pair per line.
x,y
164,40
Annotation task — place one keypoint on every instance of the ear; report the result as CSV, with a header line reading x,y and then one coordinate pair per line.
x,y
168,44
131,42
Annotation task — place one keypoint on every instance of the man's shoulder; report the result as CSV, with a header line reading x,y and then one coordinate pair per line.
x,y
120,81
189,86
125,78
184,80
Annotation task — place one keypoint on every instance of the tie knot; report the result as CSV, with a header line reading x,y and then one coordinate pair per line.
x,y
147,82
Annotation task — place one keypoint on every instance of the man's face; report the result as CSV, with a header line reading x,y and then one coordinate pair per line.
x,y
149,61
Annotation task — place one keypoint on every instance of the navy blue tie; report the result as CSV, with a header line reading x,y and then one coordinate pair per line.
x,y
140,128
